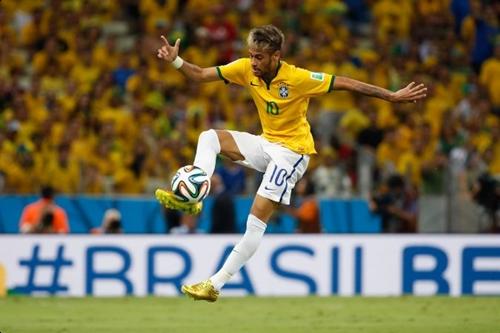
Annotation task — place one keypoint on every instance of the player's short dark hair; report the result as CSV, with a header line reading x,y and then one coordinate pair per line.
x,y
266,37
47,192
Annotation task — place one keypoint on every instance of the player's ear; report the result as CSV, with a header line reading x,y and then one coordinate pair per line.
x,y
276,55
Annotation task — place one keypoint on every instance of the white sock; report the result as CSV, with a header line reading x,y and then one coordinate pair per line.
x,y
241,253
206,151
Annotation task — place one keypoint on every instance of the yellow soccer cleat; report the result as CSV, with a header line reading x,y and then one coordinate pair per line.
x,y
169,200
203,291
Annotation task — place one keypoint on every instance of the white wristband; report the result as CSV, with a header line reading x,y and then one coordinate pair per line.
x,y
177,63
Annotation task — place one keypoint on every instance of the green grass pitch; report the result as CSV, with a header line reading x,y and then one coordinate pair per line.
x,y
251,314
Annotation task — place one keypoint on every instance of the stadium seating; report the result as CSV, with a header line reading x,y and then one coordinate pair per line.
x,y
87,107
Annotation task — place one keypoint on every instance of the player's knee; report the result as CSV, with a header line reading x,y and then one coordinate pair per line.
x,y
263,208
209,136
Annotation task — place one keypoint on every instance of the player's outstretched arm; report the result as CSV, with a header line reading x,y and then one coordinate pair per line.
x,y
170,53
410,93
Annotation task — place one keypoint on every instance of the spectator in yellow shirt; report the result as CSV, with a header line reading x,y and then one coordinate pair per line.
x,y
388,153
490,78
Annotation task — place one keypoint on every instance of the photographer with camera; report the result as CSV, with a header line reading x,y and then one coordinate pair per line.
x,y
396,206
44,216
111,223
486,192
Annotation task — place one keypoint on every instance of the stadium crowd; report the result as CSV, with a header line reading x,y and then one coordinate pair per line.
x,y
86,107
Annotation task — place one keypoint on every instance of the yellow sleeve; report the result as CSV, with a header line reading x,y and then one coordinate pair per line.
x,y
235,72
314,83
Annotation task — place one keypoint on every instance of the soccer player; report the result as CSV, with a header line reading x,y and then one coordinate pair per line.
x,y
281,93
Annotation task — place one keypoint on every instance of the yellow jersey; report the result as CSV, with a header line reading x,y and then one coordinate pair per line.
x,y
282,104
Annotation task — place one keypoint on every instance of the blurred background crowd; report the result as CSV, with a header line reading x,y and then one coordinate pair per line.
x,y
86,107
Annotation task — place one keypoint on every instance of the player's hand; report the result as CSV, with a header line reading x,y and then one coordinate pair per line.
x,y
167,51
410,93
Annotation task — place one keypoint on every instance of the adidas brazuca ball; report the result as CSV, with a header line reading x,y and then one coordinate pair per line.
x,y
190,184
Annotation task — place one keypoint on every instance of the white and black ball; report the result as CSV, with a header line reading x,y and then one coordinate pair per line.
x,y
190,184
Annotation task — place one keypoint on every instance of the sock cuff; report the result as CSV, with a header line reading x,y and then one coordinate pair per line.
x,y
254,222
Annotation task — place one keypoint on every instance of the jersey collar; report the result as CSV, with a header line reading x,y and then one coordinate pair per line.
x,y
268,84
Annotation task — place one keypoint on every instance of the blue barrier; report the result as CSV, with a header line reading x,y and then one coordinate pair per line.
x,y
11,208
363,220
145,215
334,216
348,216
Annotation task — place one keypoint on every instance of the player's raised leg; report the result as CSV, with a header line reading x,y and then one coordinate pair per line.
x,y
282,169
210,143
260,213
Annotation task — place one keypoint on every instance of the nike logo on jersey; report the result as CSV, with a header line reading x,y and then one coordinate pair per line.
x,y
255,85
268,188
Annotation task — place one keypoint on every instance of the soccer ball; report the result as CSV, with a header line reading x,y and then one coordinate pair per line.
x,y
190,184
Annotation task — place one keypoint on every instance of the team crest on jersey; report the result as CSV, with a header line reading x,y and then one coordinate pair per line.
x,y
283,90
